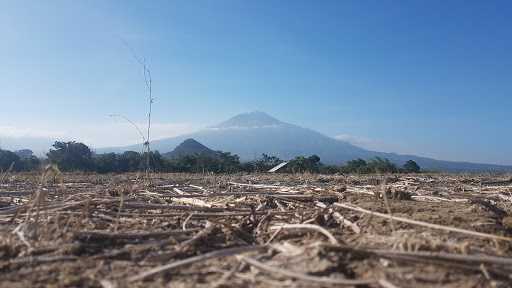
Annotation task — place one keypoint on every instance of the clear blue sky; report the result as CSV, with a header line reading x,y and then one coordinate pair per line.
x,y
426,77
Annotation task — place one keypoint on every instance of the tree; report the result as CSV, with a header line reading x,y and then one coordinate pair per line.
x,y
29,163
266,162
356,166
229,163
313,163
302,164
71,156
380,165
329,169
156,161
129,161
8,159
263,164
12,160
106,163
411,167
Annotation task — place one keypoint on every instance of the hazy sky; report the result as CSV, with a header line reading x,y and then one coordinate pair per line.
x,y
426,77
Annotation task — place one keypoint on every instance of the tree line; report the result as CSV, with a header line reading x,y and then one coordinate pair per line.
x,y
75,156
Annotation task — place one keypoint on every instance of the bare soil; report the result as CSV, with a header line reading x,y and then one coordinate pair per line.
x,y
258,230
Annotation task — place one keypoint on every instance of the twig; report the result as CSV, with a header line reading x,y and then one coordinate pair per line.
x,y
258,185
340,219
200,188
437,199
388,208
474,259
92,236
424,224
190,201
214,254
225,277
140,205
42,259
304,277
19,232
208,214
310,227
184,226
203,234
386,284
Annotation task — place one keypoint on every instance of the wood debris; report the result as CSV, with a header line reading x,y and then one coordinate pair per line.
x,y
256,230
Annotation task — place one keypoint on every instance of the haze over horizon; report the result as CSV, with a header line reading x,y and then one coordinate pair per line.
x,y
425,78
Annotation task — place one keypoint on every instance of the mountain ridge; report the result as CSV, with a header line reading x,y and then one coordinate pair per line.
x,y
250,134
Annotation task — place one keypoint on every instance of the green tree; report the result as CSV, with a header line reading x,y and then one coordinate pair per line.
x,y
266,162
71,156
8,159
356,166
380,165
129,161
302,164
313,163
229,163
263,164
411,167
329,169
106,163
30,163
156,161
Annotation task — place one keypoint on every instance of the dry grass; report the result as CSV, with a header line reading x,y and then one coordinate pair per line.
x,y
192,230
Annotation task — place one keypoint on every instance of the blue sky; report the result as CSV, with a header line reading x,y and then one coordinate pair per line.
x,y
425,77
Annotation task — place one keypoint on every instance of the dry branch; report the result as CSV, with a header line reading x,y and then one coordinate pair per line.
x,y
424,224
304,277
214,254
309,227
92,236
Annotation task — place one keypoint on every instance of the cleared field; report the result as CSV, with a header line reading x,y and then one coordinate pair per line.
x,y
192,230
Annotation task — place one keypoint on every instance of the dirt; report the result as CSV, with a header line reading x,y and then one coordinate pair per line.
x,y
88,230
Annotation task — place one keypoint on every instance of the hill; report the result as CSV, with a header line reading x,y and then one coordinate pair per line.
x,y
251,134
190,147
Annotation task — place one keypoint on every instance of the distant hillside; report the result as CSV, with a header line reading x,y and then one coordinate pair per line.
x,y
24,153
251,134
190,147
39,146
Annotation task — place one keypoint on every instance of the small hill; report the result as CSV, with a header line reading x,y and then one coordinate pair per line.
x,y
190,147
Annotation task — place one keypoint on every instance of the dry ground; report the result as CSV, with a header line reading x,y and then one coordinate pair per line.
x,y
184,230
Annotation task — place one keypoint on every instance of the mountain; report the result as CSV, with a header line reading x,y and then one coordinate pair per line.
x,y
251,134
24,153
190,147
250,120
38,145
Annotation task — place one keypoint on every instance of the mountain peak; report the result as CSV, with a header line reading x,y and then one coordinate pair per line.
x,y
190,142
250,120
